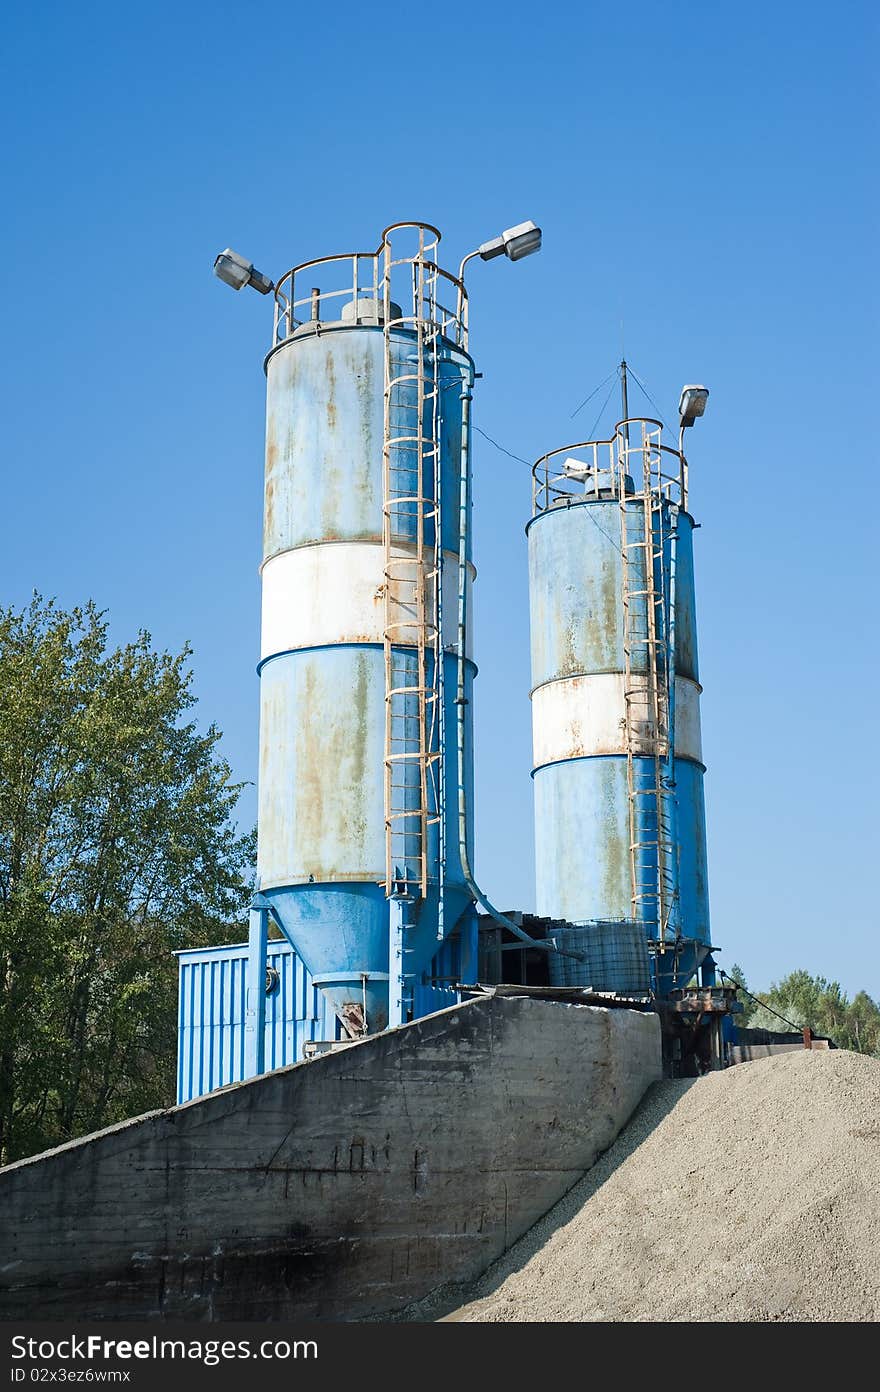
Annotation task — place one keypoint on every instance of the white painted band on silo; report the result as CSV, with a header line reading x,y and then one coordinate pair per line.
x,y
334,592
583,717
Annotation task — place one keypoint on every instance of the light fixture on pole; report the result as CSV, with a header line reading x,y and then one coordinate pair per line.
x,y
234,270
515,243
692,404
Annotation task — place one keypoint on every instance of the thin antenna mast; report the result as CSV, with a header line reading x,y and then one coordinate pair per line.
x,y
623,397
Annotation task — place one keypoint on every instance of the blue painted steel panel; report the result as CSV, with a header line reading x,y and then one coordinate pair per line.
x,y
686,661
434,990
582,834
693,869
322,737
212,984
322,842
324,434
575,587
324,430
211,1013
582,841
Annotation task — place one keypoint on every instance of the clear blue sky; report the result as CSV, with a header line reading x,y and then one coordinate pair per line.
x,y
705,174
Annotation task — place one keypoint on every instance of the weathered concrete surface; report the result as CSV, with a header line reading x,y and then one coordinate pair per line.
x,y
334,1189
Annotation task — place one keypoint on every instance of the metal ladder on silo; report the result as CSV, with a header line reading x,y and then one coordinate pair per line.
x,y
646,692
412,575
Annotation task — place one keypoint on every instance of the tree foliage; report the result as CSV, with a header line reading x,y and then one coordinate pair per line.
x,y
117,846
737,977
812,1001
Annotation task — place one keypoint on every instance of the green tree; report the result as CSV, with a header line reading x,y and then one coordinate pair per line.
x,y
798,997
116,847
822,1005
863,1025
737,977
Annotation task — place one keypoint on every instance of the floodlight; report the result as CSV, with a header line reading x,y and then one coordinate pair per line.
x,y
521,240
692,404
514,243
576,469
233,270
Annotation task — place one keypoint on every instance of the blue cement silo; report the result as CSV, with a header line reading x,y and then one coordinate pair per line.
x,y
618,773
357,826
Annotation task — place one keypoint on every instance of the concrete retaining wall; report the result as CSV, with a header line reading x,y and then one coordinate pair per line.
x,y
333,1189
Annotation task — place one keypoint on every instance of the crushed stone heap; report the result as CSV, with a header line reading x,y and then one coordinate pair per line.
x,y
749,1194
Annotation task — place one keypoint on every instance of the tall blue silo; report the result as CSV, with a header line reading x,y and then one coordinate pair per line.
x,y
618,774
366,378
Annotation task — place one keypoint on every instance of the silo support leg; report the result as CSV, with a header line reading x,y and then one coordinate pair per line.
x,y
255,1010
396,910
469,930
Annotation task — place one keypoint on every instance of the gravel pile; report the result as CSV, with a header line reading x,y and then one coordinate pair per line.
x,y
751,1194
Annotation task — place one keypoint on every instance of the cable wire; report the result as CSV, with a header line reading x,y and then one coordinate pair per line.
x,y
518,457
758,1001
611,374
605,534
601,412
646,393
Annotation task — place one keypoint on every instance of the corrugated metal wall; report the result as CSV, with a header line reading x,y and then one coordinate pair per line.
x,y
211,1016
212,984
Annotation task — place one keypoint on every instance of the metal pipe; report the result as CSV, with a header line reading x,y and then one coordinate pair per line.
x,y
470,256
460,300
255,1002
675,908
396,926
683,469
461,700
440,658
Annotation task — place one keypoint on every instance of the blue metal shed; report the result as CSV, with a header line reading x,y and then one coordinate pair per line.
x,y
213,985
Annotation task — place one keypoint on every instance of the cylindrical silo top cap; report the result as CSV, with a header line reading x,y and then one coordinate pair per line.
x,y
366,309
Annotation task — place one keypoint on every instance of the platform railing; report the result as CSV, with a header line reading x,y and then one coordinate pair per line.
x,y
314,293
605,468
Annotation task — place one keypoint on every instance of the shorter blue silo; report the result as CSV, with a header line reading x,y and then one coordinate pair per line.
x,y
618,774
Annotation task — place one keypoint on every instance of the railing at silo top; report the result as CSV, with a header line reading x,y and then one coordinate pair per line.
x,y
592,468
300,304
